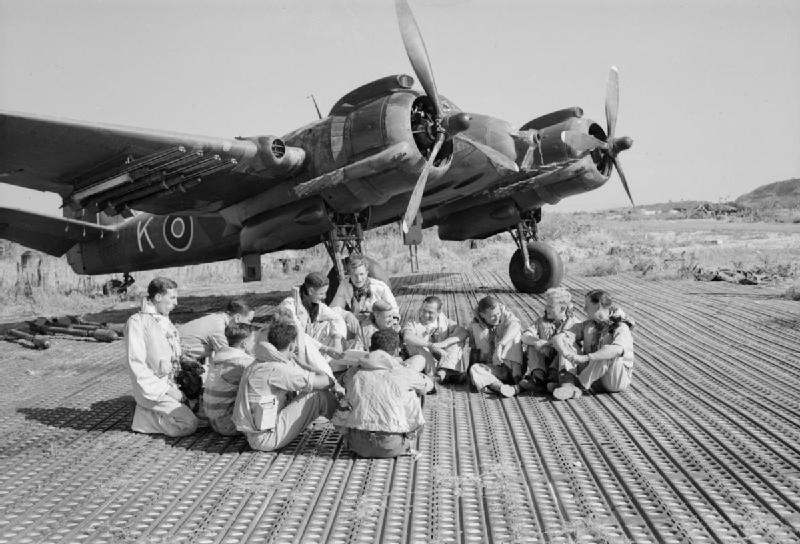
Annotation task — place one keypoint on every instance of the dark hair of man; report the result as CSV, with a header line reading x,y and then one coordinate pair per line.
x,y
237,306
236,333
433,299
487,303
281,334
160,286
354,261
315,280
599,296
386,339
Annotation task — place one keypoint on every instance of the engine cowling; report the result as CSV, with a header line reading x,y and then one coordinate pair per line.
x,y
354,170
273,157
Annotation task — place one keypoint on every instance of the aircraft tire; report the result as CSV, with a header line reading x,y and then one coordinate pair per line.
x,y
374,268
547,266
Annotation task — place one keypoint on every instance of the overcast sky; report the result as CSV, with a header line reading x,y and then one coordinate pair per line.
x,y
710,89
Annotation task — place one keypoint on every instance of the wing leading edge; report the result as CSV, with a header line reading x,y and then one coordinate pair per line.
x,y
68,157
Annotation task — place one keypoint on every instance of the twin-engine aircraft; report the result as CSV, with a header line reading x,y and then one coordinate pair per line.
x,y
138,199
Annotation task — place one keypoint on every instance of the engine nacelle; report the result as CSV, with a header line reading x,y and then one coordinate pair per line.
x,y
284,227
374,145
480,221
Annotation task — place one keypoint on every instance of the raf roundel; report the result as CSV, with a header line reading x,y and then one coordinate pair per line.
x,y
178,232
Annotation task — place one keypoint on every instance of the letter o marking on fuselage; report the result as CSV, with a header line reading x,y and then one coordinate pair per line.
x,y
179,232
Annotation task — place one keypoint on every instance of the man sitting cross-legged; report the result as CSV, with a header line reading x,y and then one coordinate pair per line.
x,y
438,339
606,361
496,333
384,416
277,398
546,339
225,372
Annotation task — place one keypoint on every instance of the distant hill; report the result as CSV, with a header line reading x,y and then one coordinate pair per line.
x,y
781,194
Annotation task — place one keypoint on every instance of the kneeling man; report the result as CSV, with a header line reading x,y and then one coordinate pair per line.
x,y
277,398
153,355
385,414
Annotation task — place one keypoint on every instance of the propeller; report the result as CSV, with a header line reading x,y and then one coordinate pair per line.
x,y
442,126
613,145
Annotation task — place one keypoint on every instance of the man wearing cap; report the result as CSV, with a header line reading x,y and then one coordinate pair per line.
x,y
278,399
320,322
385,412
438,339
359,293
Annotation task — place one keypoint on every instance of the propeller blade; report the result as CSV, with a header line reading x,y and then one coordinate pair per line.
x,y
498,160
417,53
612,101
618,165
582,142
419,188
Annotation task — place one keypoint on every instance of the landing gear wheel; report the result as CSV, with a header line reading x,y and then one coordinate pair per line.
x,y
374,269
546,264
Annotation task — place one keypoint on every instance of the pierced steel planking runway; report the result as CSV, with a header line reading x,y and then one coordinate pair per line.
x,y
705,447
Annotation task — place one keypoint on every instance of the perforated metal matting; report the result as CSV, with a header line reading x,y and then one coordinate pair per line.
x,y
705,446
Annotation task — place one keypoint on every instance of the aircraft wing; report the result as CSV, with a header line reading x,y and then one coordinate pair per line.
x,y
52,235
171,171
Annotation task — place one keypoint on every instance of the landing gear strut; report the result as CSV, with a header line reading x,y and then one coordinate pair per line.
x,y
535,266
347,236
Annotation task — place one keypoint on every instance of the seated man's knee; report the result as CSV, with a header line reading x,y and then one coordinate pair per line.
x,y
416,362
183,426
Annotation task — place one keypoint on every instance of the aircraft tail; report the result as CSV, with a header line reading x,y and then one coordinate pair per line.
x,y
46,233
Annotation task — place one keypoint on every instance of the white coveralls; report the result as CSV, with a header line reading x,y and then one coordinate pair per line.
x,y
152,351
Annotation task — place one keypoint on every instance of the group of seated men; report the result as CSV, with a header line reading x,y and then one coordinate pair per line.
x,y
344,361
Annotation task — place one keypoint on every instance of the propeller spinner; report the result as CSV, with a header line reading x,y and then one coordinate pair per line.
x,y
443,127
613,145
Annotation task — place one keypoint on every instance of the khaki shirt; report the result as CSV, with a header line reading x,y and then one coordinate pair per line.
x,y
204,335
